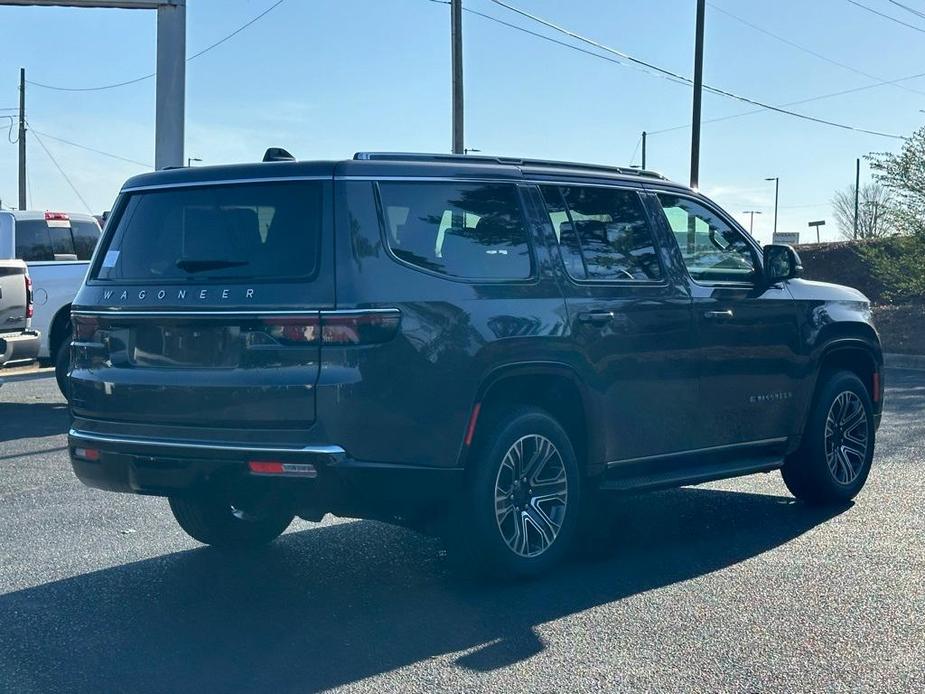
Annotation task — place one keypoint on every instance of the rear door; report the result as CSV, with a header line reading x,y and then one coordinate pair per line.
x,y
630,318
748,332
202,308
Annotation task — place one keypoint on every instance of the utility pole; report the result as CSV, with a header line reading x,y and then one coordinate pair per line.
x,y
22,138
857,196
643,149
698,94
751,221
776,180
457,49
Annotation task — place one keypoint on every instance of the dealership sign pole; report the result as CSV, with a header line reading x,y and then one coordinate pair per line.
x,y
170,106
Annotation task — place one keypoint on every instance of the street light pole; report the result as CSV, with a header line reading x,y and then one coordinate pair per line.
x,y
776,180
751,221
857,195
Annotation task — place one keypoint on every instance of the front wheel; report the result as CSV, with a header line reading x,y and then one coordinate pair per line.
x,y
218,522
834,460
519,512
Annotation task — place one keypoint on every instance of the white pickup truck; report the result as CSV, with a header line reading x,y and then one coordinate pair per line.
x,y
57,247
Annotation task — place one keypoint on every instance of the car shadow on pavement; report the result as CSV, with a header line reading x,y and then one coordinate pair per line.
x,y
26,420
338,603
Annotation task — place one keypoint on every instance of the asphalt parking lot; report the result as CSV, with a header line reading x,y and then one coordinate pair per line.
x,y
730,586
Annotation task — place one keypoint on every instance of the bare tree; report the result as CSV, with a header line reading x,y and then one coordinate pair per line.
x,y
873,211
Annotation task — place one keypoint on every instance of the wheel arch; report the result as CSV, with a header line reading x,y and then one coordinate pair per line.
x,y
551,386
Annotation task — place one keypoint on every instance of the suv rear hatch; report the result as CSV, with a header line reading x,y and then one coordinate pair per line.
x,y
202,306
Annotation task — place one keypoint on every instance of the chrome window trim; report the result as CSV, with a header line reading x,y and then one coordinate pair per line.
x,y
229,313
223,182
319,450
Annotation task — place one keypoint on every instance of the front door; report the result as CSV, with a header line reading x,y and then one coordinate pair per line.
x,y
629,319
748,332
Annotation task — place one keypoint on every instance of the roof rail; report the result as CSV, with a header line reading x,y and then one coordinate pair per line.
x,y
510,161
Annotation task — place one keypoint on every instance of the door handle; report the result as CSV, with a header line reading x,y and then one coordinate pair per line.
x,y
717,315
596,317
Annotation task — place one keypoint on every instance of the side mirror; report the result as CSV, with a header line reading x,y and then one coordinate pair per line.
x,y
781,263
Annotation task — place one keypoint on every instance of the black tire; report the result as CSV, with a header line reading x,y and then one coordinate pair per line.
x,y
63,363
216,522
808,473
476,537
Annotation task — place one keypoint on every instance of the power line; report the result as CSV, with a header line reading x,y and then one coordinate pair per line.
x,y
807,50
61,171
820,97
885,16
92,149
914,11
149,76
686,80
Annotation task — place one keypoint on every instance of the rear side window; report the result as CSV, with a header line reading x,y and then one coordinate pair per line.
x,y
86,235
467,230
222,232
33,242
603,233
39,239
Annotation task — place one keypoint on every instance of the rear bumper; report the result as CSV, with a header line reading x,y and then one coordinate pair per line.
x,y
343,485
19,347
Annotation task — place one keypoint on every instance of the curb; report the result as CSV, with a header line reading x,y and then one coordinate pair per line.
x,y
904,361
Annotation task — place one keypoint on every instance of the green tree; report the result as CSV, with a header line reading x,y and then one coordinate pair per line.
x,y
900,263
903,174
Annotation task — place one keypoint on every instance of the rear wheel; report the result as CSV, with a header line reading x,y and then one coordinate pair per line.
x,y
834,459
63,362
519,512
221,523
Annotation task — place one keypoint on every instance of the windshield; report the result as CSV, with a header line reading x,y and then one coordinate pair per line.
x,y
222,232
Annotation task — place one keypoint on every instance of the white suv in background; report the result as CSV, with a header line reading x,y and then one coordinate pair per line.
x,y
57,247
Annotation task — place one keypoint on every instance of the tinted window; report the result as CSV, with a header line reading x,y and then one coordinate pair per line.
x,y
475,231
33,241
61,241
569,247
712,249
85,234
610,229
247,231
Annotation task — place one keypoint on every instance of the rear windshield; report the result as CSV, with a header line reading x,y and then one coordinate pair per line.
x,y
37,240
223,232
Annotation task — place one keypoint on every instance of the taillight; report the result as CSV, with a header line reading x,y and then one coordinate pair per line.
x,y
296,330
56,217
30,303
336,328
359,327
85,327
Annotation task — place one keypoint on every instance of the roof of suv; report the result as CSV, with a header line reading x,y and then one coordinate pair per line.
x,y
382,164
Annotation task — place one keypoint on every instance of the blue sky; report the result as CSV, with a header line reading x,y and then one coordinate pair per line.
x,y
325,78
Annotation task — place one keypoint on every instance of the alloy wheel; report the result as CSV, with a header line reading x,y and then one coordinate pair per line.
x,y
846,437
531,495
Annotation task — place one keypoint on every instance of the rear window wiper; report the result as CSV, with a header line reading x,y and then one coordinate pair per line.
x,y
191,265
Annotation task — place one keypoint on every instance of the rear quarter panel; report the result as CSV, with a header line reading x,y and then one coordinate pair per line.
x,y
408,401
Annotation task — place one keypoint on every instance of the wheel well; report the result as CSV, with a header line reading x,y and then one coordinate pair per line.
x,y
557,394
857,360
59,329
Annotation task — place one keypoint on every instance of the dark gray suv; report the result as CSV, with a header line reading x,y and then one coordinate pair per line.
x,y
479,347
